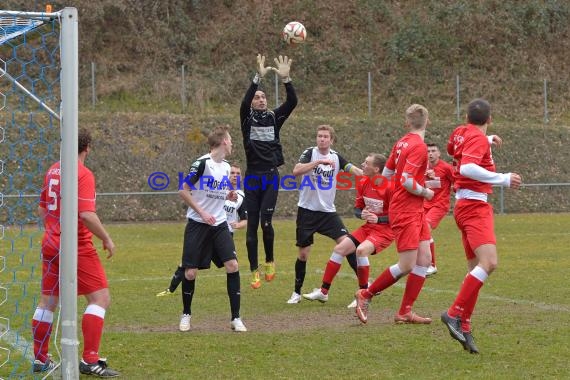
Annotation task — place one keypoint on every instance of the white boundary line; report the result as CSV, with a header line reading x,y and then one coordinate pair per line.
x,y
538,305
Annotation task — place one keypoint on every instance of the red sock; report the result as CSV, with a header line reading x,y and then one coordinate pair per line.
x,y
432,249
330,272
468,292
92,326
414,285
468,311
363,273
41,331
385,280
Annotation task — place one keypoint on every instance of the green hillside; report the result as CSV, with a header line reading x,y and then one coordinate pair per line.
x,y
414,51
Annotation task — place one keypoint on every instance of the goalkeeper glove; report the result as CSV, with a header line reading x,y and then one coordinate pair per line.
x,y
261,69
283,68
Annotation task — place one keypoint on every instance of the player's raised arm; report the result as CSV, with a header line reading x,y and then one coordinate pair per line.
x,y
261,70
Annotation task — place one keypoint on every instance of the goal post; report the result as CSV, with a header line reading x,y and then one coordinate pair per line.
x,y
38,126
69,206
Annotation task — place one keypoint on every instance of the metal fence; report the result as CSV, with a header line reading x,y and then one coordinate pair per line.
x,y
542,90
167,205
162,206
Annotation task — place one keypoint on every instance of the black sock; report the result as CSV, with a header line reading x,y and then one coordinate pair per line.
x,y
187,294
300,270
352,262
176,279
234,293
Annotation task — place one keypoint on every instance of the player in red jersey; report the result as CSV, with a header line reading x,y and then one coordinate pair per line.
x,y
439,178
474,176
375,235
91,279
406,166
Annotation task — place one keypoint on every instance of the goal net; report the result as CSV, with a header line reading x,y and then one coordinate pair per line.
x,y
32,135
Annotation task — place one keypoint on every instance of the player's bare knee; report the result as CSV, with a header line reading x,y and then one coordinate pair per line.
x,y
106,302
190,274
48,302
491,266
406,267
231,266
303,256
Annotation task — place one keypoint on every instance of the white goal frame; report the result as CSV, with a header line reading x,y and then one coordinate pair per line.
x,y
69,117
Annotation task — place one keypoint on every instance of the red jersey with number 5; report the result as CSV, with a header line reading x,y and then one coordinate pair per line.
x,y
469,145
409,155
50,200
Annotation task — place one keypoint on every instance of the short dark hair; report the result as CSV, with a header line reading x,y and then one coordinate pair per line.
x,y
432,144
84,140
478,112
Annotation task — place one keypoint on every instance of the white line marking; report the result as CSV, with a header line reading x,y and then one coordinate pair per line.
x,y
16,341
538,305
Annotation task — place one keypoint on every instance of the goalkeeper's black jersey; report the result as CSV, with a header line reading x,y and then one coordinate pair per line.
x,y
260,130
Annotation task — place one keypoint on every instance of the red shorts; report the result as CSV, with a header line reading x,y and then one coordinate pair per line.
x,y
380,235
476,223
90,273
434,215
409,229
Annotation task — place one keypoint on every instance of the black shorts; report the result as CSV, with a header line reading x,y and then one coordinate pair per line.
x,y
204,244
311,222
261,191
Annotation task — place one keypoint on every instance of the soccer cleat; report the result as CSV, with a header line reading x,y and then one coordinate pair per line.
x,y
361,306
412,318
431,270
352,305
316,295
164,293
454,326
469,344
98,368
185,322
295,298
269,271
255,281
40,366
237,325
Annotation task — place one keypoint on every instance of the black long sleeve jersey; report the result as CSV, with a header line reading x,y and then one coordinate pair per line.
x,y
260,130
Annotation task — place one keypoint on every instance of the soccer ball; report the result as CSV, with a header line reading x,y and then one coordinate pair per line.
x,y
294,33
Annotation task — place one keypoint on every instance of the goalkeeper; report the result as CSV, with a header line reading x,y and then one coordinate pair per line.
x,y
260,128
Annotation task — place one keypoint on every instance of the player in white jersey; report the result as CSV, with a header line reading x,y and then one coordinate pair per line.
x,y
318,167
207,237
235,210
236,219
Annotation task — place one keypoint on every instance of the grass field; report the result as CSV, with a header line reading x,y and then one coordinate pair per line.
x,y
521,323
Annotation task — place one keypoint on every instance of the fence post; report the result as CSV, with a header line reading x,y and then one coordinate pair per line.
x,y
545,101
457,97
276,90
369,94
502,200
93,92
183,90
